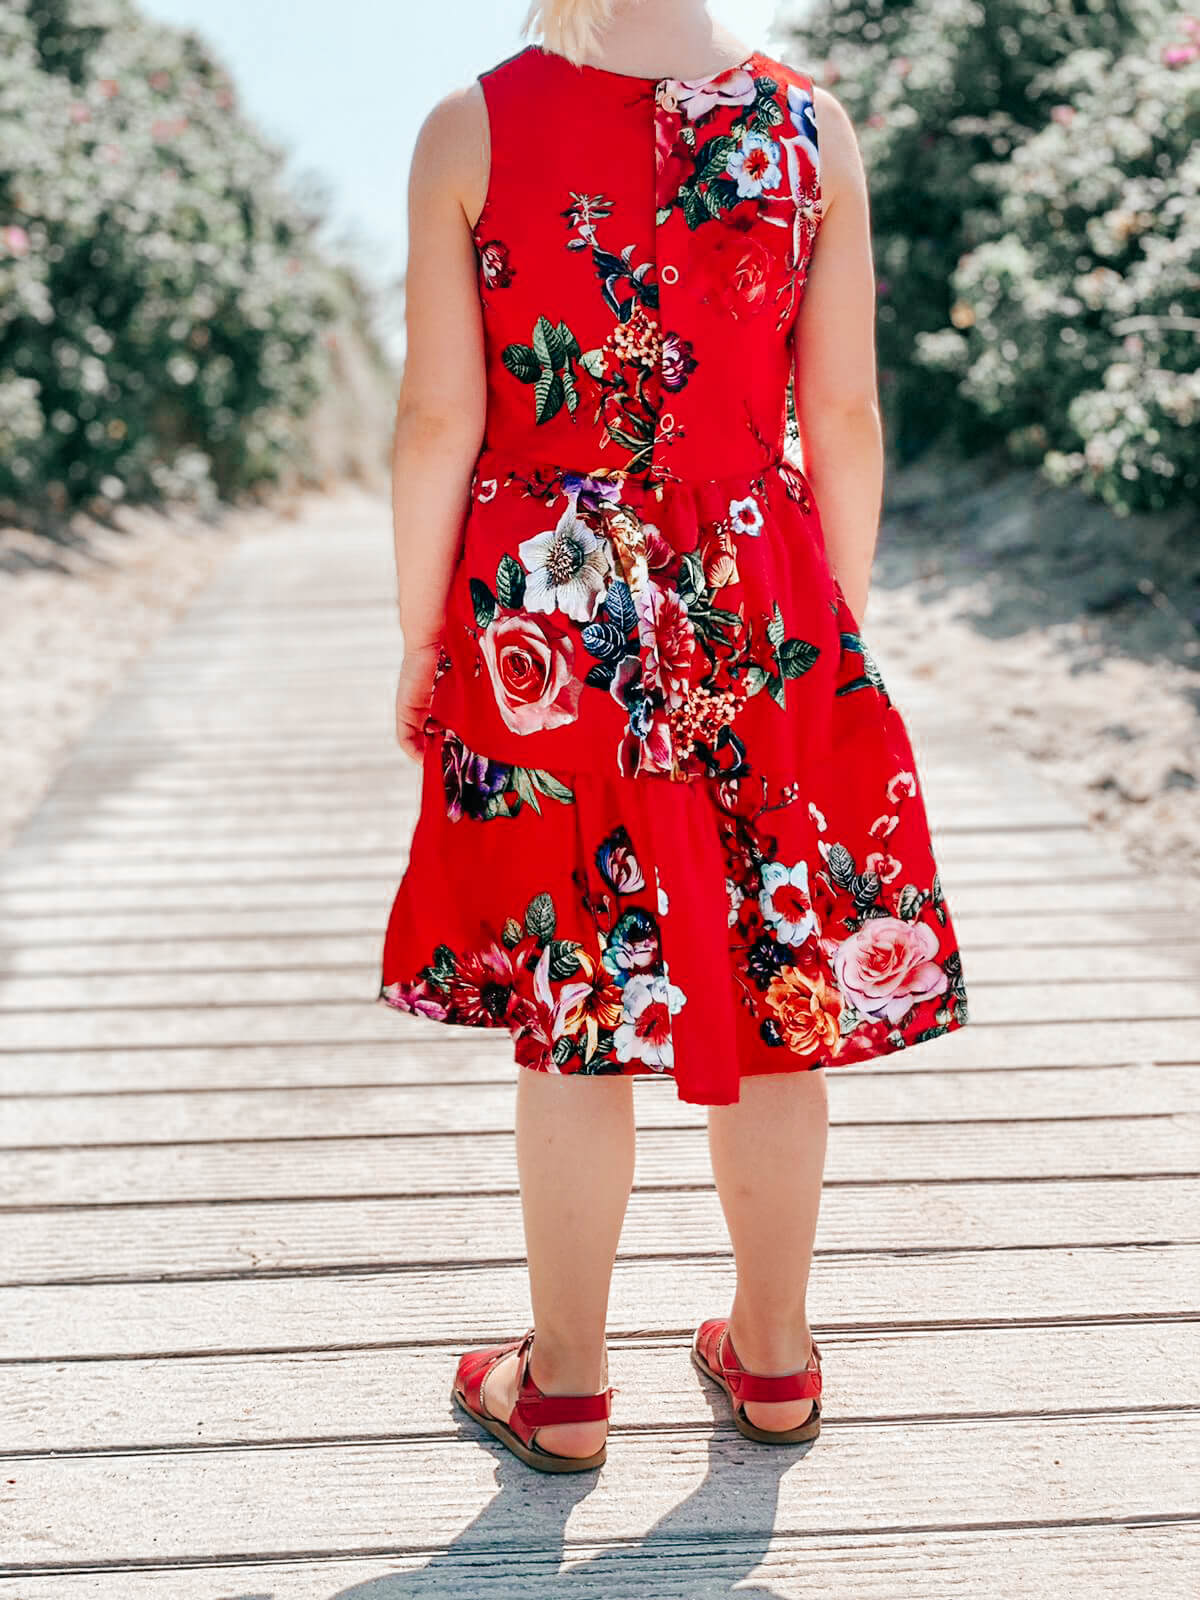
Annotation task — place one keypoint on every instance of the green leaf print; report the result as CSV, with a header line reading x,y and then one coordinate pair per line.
x,y
484,602
550,785
512,934
550,394
841,865
510,582
521,362
540,917
546,364
796,656
910,902
548,345
775,628
522,782
442,967
712,158
618,602
564,958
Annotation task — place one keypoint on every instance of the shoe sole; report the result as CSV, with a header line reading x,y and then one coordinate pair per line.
x,y
531,1455
797,1435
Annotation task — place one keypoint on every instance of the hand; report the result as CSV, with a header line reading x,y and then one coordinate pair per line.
x,y
413,690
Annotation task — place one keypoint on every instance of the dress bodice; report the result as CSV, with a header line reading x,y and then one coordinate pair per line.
x,y
643,249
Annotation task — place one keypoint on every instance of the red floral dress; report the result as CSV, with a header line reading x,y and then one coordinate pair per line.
x,y
670,823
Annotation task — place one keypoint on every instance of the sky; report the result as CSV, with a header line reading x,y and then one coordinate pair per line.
x,y
343,86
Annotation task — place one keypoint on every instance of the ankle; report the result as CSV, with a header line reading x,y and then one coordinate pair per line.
x,y
558,1368
771,1347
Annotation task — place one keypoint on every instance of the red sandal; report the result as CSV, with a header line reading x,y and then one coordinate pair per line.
x,y
533,1409
713,1353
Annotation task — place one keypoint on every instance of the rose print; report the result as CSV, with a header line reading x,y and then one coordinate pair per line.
x,y
806,1011
531,661
888,966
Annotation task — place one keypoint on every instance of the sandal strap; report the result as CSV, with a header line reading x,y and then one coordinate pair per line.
x,y
537,1410
801,1385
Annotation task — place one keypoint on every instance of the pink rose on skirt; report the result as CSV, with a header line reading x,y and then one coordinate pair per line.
x,y
887,967
530,659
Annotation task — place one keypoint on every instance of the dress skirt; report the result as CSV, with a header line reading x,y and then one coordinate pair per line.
x,y
671,823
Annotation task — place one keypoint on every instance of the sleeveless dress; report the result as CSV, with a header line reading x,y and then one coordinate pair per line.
x,y
670,819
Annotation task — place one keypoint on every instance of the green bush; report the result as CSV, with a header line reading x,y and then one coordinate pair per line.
x,y
995,260
162,299
1078,321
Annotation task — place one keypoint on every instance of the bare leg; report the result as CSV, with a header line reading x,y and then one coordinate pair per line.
x,y
575,1152
768,1159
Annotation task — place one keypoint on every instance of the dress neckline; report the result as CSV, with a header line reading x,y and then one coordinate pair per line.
x,y
637,77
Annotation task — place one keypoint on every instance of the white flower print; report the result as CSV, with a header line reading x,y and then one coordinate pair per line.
x,y
569,567
746,515
785,901
755,165
648,1003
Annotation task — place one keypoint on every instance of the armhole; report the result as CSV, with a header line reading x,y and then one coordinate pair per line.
x,y
483,218
811,90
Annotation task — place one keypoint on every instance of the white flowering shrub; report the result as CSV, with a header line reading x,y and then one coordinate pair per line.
x,y
1080,319
1036,227
162,300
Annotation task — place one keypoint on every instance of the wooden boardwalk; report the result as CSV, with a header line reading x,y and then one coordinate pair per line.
x,y
250,1217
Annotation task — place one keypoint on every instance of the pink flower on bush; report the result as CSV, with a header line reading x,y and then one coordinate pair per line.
x,y
887,966
530,660
16,240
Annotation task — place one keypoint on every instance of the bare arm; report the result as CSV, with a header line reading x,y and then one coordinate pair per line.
x,y
440,411
836,388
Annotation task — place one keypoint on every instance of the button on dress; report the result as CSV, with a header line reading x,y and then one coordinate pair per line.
x,y
670,819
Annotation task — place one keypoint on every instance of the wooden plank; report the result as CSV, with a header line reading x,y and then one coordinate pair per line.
x,y
104,1244
884,1476
395,1394
392,1308
895,1088
335,1108
417,1162
1126,1560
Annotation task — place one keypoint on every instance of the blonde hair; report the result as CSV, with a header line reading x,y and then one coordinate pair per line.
x,y
572,28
